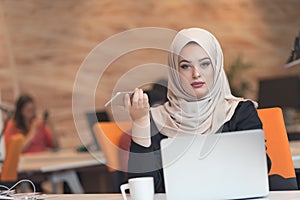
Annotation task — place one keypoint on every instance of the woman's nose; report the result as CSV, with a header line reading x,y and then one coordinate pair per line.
x,y
196,73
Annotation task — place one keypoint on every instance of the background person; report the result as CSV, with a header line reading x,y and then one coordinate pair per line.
x,y
38,135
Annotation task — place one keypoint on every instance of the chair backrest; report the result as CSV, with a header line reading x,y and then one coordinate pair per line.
x,y
114,139
92,118
282,173
9,171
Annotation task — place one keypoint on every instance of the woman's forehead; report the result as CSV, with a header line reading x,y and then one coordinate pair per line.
x,y
193,51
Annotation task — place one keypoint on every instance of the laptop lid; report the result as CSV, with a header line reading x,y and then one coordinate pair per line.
x,y
220,166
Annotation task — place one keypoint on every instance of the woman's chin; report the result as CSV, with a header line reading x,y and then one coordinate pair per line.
x,y
200,92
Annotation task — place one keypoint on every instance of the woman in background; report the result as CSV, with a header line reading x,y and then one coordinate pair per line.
x,y
38,136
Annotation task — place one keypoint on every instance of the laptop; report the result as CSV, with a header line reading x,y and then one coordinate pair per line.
x,y
229,165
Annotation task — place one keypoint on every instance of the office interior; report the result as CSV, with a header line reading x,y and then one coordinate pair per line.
x,y
44,45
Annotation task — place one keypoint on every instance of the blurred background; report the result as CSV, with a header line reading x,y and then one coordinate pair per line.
x,y
44,42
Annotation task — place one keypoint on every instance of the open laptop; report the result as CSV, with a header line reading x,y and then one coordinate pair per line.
x,y
219,166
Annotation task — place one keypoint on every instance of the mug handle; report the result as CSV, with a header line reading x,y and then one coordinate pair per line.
x,y
123,188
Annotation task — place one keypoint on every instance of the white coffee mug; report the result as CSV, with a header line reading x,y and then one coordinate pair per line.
x,y
139,188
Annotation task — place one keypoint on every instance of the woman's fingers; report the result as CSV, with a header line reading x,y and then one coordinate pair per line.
x,y
138,100
145,101
141,94
137,104
127,101
135,98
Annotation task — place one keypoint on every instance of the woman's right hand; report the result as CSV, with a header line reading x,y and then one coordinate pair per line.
x,y
138,106
34,126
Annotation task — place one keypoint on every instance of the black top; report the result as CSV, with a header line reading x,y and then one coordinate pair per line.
x,y
147,161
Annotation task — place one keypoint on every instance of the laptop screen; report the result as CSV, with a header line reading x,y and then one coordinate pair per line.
x,y
219,166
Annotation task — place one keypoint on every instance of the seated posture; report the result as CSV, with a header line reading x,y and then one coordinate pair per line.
x,y
199,102
38,136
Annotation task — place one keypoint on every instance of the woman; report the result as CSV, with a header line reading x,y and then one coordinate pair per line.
x,y
199,102
38,136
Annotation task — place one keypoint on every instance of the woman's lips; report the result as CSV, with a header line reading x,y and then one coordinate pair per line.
x,y
198,84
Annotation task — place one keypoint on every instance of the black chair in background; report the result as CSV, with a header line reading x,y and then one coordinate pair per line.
x,y
283,92
95,117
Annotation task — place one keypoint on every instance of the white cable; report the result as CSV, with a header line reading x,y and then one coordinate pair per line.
x,y
3,192
10,189
3,186
24,180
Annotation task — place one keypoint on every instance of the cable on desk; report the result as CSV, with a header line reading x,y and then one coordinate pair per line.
x,y
10,192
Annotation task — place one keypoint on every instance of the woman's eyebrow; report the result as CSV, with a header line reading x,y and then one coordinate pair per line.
x,y
190,61
184,61
204,59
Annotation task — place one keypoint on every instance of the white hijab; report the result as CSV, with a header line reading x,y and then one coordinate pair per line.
x,y
184,113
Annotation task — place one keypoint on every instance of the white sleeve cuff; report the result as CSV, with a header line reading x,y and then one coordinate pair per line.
x,y
141,135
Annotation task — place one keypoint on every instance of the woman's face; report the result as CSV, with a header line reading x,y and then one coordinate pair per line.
x,y
28,111
195,70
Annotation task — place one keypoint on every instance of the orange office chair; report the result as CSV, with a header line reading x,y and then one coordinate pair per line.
x,y
282,173
114,140
9,171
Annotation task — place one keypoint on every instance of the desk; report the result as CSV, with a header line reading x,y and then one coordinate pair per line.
x,y
280,195
59,166
57,161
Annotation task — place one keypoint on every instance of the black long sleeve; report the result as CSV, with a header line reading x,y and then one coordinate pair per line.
x,y
147,161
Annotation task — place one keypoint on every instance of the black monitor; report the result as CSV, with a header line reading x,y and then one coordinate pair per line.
x,y
94,117
281,92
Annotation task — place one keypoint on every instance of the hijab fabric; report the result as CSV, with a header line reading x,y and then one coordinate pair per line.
x,y
184,113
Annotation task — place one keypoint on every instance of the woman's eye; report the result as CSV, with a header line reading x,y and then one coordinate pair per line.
x,y
205,64
184,66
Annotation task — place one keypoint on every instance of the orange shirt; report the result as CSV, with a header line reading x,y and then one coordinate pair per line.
x,y
41,142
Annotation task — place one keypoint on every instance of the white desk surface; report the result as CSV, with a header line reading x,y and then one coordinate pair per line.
x,y
280,195
58,161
